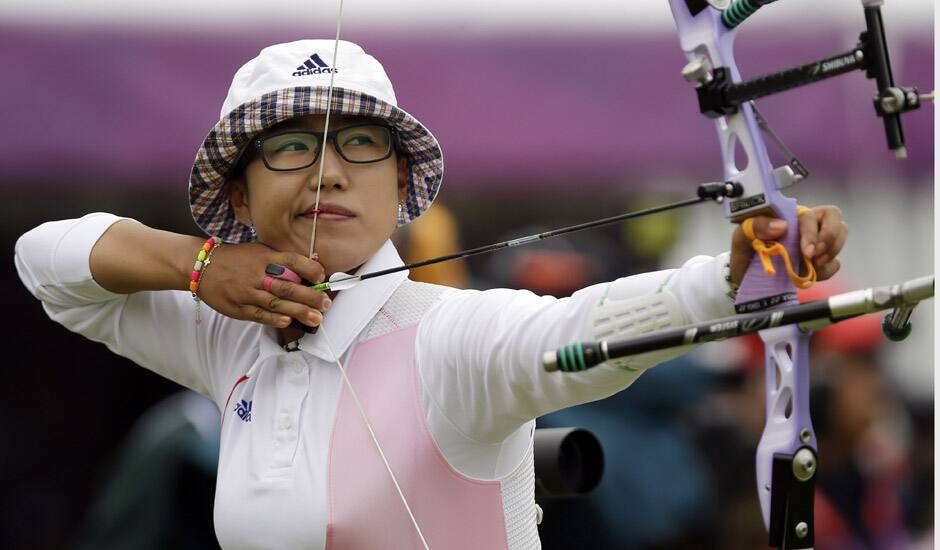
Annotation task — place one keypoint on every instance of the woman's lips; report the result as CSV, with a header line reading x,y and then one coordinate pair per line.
x,y
330,212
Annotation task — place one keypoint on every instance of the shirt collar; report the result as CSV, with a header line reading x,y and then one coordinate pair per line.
x,y
353,309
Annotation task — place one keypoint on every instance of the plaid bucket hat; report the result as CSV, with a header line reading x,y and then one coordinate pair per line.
x,y
290,80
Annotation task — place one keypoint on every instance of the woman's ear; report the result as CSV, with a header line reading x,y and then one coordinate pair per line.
x,y
238,196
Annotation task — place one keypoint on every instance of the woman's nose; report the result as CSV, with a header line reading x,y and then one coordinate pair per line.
x,y
333,170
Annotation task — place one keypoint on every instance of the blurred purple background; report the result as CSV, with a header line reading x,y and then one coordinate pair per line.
x,y
130,108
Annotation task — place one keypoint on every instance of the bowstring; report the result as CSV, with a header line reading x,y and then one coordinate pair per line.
x,y
314,256
326,130
375,439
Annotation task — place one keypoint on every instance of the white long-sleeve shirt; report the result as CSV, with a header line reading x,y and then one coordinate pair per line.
x,y
477,357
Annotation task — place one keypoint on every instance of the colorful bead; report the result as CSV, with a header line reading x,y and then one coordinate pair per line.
x,y
203,259
201,264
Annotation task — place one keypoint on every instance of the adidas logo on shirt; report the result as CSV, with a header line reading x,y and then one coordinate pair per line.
x,y
313,65
243,410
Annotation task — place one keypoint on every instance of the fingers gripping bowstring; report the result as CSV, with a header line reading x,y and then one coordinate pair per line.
x,y
326,131
375,440
314,256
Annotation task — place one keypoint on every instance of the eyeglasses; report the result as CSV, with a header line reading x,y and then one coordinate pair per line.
x,y
359,144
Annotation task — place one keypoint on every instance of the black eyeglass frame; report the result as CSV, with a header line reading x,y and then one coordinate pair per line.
x,y
394,145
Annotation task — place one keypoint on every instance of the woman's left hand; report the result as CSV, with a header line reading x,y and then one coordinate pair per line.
x,y
822,235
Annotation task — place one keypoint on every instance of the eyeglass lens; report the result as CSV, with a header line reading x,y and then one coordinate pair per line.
x,y
291,151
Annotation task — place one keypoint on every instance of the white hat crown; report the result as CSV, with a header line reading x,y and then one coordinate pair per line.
x,y
309,63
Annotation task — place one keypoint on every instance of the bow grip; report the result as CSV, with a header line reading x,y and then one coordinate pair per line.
x,y
758,290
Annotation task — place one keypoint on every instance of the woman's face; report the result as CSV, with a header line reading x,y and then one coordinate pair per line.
x,y
358,202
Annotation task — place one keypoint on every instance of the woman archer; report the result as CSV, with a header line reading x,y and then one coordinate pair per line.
x,y
406,420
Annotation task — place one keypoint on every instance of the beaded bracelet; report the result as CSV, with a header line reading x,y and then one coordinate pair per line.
x,y
203,259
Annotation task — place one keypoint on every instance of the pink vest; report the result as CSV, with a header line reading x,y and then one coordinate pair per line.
x,y
454,512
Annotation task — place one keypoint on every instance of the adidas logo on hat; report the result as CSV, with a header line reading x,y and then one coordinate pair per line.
x,y
313,65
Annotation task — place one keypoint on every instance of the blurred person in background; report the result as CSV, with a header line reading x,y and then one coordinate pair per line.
x,y
460,383
863,429
434,234
158,491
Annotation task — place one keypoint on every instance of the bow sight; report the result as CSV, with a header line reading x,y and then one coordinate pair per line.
x,y
718,96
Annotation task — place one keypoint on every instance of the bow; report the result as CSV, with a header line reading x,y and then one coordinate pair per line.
x,y
786,455
766,300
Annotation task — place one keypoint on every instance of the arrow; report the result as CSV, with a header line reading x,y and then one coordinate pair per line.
x,y
716,191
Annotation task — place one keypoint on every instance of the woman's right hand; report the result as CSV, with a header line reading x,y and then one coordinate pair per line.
x,y
233,285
